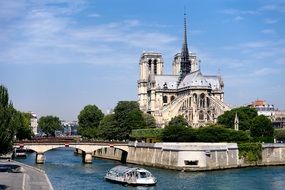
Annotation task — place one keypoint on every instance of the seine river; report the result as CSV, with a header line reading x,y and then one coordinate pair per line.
x,y
66,171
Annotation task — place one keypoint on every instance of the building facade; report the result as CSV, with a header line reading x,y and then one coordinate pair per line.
x,y
276,116
34,123
187,92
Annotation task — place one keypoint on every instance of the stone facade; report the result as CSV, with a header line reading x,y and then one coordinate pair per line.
x,y
34,123
199,98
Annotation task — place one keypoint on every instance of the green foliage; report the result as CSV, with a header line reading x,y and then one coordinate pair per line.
x,y
8,121
178,132
89,119
251,152
218,133
107,128
49,124
88,132
4,97
178,121
279,134
149,120
23,129
147,133
128,117
90,116
262,129
245,115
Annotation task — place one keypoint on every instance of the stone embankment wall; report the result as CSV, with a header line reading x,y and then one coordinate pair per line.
x,y
109,153
273,154
192,156
179,156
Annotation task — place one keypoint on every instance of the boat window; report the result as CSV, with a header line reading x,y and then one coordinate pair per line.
x,y
143,175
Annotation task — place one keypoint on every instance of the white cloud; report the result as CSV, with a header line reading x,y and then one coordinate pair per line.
x,y
239,12
48,34
268,31
277,7
270,21
266,71
238,18
96,15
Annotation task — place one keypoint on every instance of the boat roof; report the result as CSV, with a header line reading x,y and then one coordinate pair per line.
x,y
124,169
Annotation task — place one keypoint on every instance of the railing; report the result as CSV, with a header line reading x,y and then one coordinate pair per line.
x,y
54,140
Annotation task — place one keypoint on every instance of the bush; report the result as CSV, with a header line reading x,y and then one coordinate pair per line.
x,y
213,133
147,133
251,152
279,134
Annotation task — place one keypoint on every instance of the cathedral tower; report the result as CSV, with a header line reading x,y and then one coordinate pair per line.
x,y
151,63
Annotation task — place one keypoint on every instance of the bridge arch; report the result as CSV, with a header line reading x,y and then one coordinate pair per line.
x,y
87,149
111,152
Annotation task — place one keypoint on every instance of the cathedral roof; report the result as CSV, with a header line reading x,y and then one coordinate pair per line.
x,y
194,79
215,82
166,81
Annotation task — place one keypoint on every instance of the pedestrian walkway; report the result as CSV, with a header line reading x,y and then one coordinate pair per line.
x,y
15,175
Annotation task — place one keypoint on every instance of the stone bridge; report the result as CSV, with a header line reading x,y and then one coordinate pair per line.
x,y
86,148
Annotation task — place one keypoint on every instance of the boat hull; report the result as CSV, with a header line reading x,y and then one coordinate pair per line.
x,y
131,184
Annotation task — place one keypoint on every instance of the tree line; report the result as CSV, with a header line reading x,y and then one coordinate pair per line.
x,y
116,126
13,123
252,128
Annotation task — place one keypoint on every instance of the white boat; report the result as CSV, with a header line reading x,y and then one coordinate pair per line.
x,y
130,176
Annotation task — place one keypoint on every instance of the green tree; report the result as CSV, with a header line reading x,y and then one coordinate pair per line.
x,y
245,115
178,121
8,120
279,134
89,119
177,131
128,117
23,127
149,120
218,133
262,129
49,124
107,128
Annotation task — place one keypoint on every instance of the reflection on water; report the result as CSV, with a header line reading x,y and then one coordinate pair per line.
x,y
66,171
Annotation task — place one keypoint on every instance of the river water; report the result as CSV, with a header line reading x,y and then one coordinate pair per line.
x,y
66,171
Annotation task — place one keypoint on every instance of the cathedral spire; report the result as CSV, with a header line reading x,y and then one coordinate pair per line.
x,y
184,50
185,63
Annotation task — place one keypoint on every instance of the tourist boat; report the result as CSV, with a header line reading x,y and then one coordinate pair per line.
x,y
130,176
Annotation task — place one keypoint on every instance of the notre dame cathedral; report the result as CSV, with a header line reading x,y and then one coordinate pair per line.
x,y
198,98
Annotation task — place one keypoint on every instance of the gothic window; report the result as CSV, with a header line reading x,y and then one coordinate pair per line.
x,y
155,66
202,100
195,98
208,116
172,98
149,64
208,102
164,99
165,86
201,115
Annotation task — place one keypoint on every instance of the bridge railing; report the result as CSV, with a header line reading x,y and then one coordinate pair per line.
x,y
66,141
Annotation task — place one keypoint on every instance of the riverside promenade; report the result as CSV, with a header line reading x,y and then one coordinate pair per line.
x,y
15,175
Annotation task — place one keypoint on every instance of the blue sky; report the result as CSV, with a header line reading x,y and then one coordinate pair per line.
x,y
58,56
